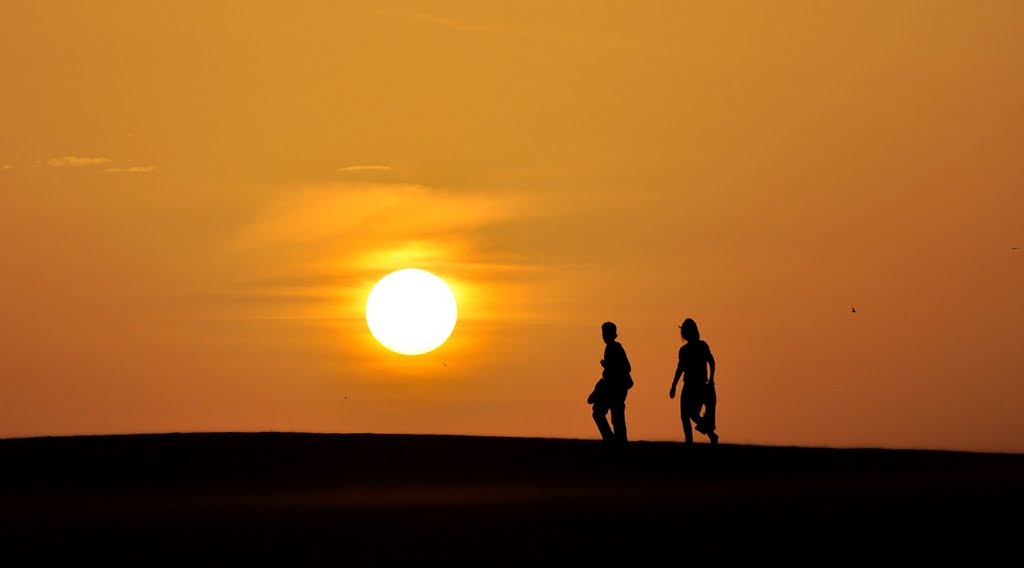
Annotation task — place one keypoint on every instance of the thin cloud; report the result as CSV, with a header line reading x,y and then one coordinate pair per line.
x,y
483,29
131,170
76,162
376,213
367,168
6,167
311,244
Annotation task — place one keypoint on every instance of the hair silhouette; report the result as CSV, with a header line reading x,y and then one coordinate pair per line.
x,y
689,330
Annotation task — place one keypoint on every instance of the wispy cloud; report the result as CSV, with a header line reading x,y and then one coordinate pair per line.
x,y
6,167
76,162
313,253
375,213
366,168
466,26
131,170
315,250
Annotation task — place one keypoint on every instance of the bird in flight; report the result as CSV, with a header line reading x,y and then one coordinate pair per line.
x,y
1015,249
853,310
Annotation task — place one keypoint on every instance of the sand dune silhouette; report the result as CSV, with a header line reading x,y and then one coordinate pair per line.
x,y
366,499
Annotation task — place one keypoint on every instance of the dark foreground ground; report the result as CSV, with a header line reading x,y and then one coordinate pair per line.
x,y
344,500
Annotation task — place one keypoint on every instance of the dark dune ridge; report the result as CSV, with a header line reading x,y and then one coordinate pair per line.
x,y
366,499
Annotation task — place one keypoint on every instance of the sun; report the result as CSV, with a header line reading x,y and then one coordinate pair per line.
x,y
411,311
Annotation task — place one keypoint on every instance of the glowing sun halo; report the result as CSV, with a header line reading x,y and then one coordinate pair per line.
x,y
411,311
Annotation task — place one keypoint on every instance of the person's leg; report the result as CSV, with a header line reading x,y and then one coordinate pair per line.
x,y
601,419
710,402
684,415
698,421
618,409
699,425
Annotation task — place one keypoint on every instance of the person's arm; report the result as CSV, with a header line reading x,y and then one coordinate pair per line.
x,y
675,379
711,365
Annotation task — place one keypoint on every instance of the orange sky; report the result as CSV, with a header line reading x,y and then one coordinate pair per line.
x,y
196,197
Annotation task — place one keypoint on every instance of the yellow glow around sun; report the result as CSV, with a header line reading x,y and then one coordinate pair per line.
x,y
411,311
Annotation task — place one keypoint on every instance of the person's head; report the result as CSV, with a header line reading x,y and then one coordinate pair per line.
x,y
689,330
608,331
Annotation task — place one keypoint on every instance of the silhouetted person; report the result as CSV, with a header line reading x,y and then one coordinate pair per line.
x,y
610,391
698,390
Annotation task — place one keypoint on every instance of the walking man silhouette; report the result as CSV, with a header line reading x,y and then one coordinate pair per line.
x,y
698,390
610,393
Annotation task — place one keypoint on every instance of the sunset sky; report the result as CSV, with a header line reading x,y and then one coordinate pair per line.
x,y
196,198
